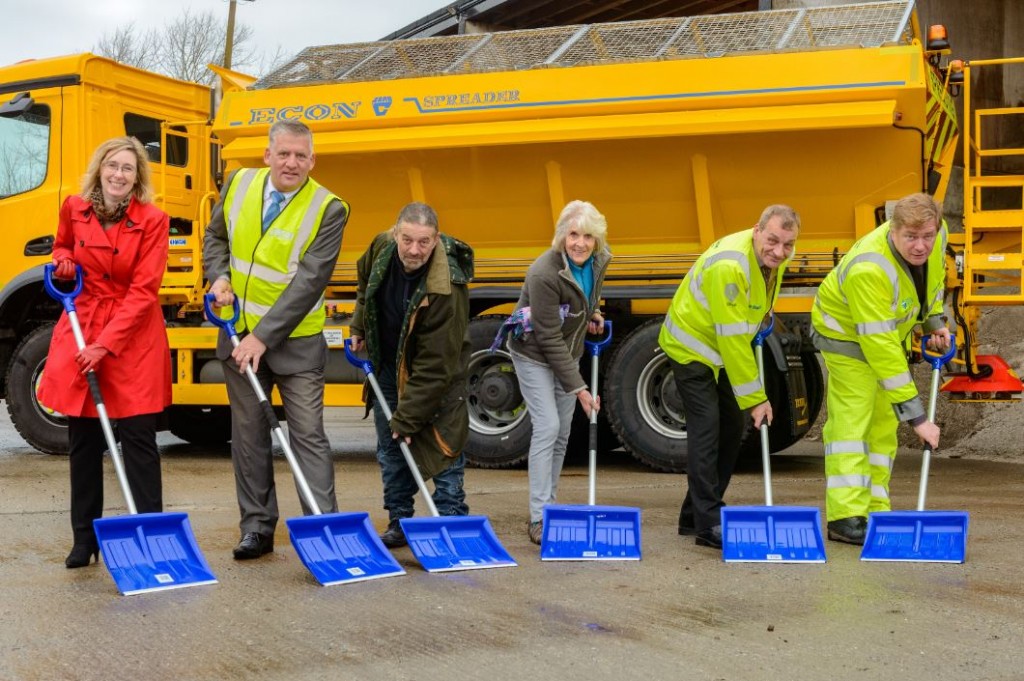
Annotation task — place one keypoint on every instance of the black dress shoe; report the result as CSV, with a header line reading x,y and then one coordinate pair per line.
x,y
711,537
848,530
393,537
81,555
253,545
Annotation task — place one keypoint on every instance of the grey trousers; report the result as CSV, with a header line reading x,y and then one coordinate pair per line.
x,y
551,410
251,444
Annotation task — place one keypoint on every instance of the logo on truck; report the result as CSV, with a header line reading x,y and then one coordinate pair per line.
x,y
313,112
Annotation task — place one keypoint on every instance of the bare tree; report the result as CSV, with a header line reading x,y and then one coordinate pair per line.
x,y
182,48
127,46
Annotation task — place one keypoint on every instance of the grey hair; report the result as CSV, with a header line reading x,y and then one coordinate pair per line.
x,y
790,220
291,127
417,213
585,217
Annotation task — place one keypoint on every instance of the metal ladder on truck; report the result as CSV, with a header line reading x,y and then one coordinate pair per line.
x,y
993,257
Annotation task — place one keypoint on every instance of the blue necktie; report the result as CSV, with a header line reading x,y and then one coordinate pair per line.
x,y
273,210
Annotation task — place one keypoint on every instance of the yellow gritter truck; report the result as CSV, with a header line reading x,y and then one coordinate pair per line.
x,y
679,130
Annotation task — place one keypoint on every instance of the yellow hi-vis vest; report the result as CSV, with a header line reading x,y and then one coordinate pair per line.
x,y
868,305
717,311
262,265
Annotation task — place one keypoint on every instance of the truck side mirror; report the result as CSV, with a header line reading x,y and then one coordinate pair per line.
x,y
18,104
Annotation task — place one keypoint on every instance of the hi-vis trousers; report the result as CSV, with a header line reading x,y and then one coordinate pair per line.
x,y
860,440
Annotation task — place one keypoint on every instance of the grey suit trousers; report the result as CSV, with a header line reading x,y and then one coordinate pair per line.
x,y
302,394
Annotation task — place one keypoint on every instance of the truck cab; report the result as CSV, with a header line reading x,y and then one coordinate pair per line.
x,y
53,114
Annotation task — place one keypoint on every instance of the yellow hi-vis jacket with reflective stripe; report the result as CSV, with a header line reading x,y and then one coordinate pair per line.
x,y
718,310
868,305
262,265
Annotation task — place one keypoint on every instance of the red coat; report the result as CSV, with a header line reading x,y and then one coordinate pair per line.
x,y
117,308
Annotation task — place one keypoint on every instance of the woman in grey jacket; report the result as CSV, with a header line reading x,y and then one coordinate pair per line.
x,y
557,308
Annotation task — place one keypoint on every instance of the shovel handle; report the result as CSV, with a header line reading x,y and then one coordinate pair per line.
x,y
595,347
227,324
367,367
66,298
938,360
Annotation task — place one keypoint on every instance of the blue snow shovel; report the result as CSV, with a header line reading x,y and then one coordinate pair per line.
x,y
142,551
337,548
771,534
591,532
920,536
440,543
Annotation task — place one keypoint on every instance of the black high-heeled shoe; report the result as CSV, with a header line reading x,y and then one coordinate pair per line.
x,y
81,555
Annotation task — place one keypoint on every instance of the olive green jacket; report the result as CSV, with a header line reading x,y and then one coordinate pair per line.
x,y
433,348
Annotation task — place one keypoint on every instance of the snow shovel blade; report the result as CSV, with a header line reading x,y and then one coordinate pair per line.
x,y
916,536
151,552
574,532
772,534
341,548
449,543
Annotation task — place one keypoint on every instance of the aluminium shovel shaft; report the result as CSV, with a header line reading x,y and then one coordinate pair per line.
x,y
275,425
926,456
409,461
595,348
765,449
68,300
268,411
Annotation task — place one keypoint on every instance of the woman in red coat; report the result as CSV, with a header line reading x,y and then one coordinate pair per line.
x,y
119,239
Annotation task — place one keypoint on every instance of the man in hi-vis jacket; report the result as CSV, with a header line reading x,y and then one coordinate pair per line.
x,y
714,316
890,281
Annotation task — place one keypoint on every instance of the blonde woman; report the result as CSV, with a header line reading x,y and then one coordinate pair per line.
x,y
119,239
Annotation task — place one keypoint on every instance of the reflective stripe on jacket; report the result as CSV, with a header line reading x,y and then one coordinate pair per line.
x,y
262,265
716,312
868,305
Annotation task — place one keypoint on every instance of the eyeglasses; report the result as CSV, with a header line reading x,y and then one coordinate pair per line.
x,y
114,166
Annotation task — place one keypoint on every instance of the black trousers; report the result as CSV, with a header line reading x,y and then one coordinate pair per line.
x,y
141,461
715,428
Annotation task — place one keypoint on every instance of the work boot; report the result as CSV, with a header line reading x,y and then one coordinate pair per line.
x,y
848,530
711,537
393,537
536,531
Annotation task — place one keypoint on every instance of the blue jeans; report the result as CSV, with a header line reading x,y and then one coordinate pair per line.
x,y
399,484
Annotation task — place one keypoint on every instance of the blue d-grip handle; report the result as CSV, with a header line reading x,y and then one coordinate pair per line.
x,y
226,324
595,347
938,360
364,364
66,298
767,331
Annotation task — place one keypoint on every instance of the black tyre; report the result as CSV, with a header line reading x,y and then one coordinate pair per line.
x,y
206,426
499,425
642,403
43,428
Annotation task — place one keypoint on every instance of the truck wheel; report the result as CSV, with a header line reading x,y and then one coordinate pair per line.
x,y
643,405
206,426
43,428
499,425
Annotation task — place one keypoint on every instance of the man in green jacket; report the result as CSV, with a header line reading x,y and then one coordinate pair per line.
x,y
714,316
890,281
412,315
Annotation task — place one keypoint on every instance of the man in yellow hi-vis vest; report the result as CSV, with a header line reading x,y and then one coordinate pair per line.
x,y
890,281
707,336
272,243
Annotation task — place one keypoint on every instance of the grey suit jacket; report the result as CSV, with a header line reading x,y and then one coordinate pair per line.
x,y
284,355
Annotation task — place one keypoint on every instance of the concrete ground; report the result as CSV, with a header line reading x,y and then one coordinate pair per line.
x,y
680,613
